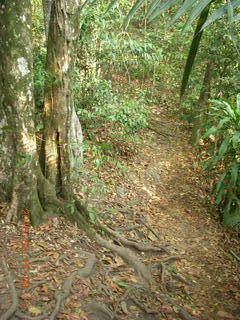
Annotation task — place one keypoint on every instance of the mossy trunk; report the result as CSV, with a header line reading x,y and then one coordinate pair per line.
x,y
28,186
17,104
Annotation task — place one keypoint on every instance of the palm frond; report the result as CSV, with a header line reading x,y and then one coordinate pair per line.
x,y
194,48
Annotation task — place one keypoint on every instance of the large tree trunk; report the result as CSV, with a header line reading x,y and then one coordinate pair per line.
x,y
17,105
58,107
26,185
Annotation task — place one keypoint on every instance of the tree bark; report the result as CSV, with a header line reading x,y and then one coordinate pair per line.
x,y
58,105
17,104
47,5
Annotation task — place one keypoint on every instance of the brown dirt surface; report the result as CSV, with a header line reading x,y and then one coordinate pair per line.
x,y
157,199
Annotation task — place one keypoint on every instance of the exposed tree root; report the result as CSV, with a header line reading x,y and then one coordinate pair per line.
x,y
102,311
170,259
148,227
13,292
129,257
184,314
35,285
24,316
141,306
59,296
130,243
67,285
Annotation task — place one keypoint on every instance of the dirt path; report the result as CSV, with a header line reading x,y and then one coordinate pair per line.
x,y
159,200
164,187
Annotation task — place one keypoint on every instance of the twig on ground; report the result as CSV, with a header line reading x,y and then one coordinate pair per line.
x,y
39,259
235,255
171,258
164,134
35,285
180,278
163,272
130,228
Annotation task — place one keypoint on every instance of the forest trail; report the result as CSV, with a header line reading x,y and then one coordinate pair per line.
x,y
159,200
164,186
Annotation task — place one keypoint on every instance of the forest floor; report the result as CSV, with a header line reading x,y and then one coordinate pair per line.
x,y
159,200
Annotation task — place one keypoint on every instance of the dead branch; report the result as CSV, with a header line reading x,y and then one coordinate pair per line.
x,y
163,273
129,257
39,259
235,255
13,292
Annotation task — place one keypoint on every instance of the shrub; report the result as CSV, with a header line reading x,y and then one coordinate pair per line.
x,y
223,163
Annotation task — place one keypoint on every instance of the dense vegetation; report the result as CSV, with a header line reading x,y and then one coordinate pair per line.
x,y
120,72
87,91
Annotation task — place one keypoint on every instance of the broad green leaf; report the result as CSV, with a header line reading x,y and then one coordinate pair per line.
x,y
224,147
182,10
230,11
234,173
198,10
219,184
122,284
111,5
160,10
193,49
219,12
213,130
220,195
229,110
235,139
131,13
238,104
92,215
236,18
222,122
154,4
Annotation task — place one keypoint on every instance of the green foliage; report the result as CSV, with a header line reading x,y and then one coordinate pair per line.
x,y
224,159
114,50
97,105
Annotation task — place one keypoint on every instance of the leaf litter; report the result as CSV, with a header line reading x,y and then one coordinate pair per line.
x,y
157,208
